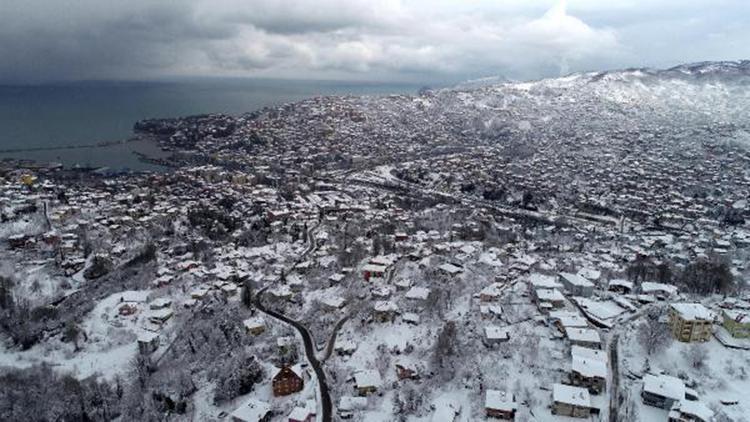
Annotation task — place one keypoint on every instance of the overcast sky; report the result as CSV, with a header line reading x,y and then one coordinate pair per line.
x,y
376,40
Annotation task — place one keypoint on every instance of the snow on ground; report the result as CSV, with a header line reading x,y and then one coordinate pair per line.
x,y
38,285
106,349
724,375
105,362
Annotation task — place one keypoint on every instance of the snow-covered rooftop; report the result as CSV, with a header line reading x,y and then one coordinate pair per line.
x,y
255,322
549,295
450,268
418,293
693,311
586,335
543,281
576,280
252,411
571,395
500,400
665,386
651,287
493,332
368,378
589,367
693,408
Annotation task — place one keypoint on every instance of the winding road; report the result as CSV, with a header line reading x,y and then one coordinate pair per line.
x,y
325,396
332,340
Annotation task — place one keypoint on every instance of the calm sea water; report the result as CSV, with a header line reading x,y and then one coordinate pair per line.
x,y
87,113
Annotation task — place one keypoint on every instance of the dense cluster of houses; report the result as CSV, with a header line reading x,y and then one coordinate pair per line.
x,y
326,202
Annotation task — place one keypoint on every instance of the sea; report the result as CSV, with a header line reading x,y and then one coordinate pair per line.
x,y
62,122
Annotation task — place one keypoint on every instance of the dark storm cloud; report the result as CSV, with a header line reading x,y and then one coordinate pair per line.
x,y
369,39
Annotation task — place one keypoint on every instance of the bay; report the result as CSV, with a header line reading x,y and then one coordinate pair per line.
x,y
86,113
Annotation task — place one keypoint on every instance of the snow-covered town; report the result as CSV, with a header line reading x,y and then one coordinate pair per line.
x,y
560,250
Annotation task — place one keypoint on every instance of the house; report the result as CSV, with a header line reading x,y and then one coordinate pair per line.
x,y
541,281
252,411
336,279
419,294
348,405
690,322
406,370
576,284
17,241
367,382
736,322
381,292
568,400
288,381
450,269
564,320
662,391
410,318
295,282
499,404
402,283
446,410
228,289
385,310
491,293
282,292
553,297
588,369
333,302
620,286
373,270
148,342
690,411
345,347
199,293
494,335
490,311
303,414
160,316
660,291
254,326
585,337
285,343
160,303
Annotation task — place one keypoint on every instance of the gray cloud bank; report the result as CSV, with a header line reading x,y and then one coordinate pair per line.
x,y
359,39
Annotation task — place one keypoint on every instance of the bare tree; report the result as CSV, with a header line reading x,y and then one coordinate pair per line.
x,y
72,333
696,355
653,334
383,360
445,349
247,293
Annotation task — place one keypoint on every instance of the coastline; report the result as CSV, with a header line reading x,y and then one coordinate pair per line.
x,y
64,147
110,155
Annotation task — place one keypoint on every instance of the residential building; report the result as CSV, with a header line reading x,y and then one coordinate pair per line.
x,y
367,382
500,404
736,322
690,411
662,391
568,400
577,285
252,411
288,381
690,322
